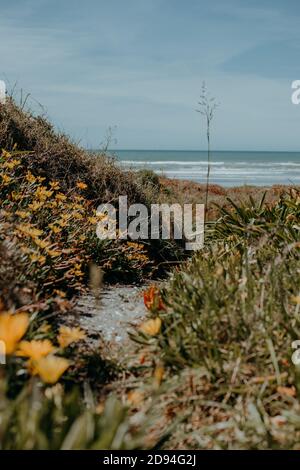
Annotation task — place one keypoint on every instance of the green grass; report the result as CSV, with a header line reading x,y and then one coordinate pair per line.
x,y
231,315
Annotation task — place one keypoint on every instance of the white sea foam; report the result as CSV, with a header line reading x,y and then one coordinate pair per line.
x,y
227,168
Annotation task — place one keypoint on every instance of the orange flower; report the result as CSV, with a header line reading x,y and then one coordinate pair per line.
x,y
151,327
12,329
81,185
35,349
152,299
54,185
51,368
69,335
135,397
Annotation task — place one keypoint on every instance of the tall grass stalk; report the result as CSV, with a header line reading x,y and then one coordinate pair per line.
x,y
207,107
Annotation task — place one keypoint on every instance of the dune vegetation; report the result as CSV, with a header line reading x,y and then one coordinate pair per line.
x,y
210,367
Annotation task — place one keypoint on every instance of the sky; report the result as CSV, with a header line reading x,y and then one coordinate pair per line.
x,y
137,66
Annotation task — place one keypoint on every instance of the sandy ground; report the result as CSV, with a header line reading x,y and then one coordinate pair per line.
x,y
117,308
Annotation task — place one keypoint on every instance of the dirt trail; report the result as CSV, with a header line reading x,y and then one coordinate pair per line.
x,y
112,314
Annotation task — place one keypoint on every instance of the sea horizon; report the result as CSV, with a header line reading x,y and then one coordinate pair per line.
x,y
228,167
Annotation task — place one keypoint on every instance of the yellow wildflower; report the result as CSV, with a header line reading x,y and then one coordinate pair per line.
x,y
135,397
15,196
29,230
38,258
51,368
60,197
69,335
12,329
5,154
35,349
12,164
41,243
54,228
30,178
35,205
42,194
23,214
151,327
135,246
77,216
45,328
81,185
60,292
62,223
93,220
6,179
53,253
54,185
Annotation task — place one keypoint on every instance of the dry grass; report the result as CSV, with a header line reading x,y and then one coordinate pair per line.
x,y
53,155
228,319
190,192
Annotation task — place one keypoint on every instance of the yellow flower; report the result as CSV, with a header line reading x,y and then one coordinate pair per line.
x,y
53,253
10,165
60,293
41,243
12,329
54,185
151,327
63,223
15,196
42,194
60,197
135,397
34,206
134,245
38,258
23,214
29,230
51,368
296,299
93,220
35,349
45,328
81,185
77,216
6,179
54,228
30,178
5,154
69,335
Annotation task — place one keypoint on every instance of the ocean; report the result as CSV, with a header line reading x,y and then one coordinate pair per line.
x,y
228,168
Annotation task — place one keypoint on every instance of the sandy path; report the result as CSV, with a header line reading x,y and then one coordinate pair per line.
x,y
112,314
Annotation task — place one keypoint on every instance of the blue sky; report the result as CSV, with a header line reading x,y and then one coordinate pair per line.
x,y
139,64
